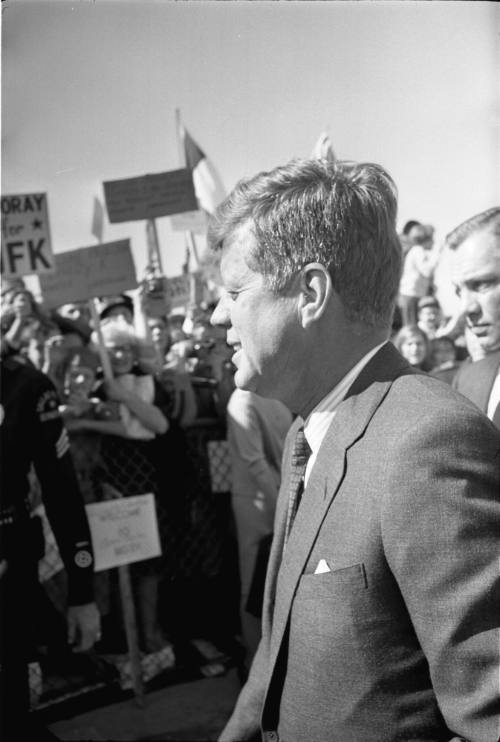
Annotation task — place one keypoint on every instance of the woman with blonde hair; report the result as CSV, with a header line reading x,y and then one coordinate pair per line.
x,y
135,451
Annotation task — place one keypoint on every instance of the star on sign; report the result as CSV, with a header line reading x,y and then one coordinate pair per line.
x,y
36,224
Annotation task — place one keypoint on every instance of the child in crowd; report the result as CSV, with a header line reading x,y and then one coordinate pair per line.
x,y
429,316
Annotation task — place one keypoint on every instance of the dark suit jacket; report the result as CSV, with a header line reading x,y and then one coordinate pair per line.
x,y
475,380
398,641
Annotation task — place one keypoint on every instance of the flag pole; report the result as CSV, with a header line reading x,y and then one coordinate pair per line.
x,y
156,243
182,163
94,313
178,127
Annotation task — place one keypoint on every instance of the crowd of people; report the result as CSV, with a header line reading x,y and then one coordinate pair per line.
x,y
290,326
145,427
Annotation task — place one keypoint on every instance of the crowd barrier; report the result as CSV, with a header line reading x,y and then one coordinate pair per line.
x,y
198,590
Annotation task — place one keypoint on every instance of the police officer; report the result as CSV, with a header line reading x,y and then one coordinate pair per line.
x,y
32,432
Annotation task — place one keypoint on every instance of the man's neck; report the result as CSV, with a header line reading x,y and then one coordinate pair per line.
x,y
324,372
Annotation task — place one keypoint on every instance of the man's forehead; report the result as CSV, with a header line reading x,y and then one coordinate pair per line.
x,y
235,250
479,252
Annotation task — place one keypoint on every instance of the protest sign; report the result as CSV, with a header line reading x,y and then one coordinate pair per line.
x,y
26,246
179,290
123,531
190,221
186,289
150,196
99,270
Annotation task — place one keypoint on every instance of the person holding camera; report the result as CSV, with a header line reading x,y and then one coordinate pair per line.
x,y
22,319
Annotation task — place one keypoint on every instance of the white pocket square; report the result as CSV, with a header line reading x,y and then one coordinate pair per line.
x,y
322,567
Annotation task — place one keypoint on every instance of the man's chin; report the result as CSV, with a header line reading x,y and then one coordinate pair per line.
x,y
244,382
253,384
488,345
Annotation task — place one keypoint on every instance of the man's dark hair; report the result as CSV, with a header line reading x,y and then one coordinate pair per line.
x,y
486,221
339,214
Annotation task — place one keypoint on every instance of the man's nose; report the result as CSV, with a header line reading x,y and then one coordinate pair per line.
x,y
220,315
469,304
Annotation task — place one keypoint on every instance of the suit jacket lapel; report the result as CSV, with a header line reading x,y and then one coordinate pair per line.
x,y
351,419
474,379
482,375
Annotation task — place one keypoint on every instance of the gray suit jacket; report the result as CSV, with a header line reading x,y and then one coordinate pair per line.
x,y
399,640
475,380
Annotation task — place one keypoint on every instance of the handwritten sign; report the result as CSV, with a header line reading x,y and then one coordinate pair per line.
x,y
179,290
123,531
26,246
188,288
150,196
190,221
99,270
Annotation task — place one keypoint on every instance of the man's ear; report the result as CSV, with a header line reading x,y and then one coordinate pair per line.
x,y
315,292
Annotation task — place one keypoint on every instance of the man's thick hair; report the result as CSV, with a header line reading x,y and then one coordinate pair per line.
x,y
339,214
486,221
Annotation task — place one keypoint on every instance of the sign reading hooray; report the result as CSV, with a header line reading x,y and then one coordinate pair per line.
x,y
26,246
150,196
123,531
99,270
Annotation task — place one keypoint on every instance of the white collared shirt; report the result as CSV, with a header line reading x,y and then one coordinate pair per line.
x,y
494,399
320,418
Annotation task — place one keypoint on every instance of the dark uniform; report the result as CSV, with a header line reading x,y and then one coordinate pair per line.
x,y
32,432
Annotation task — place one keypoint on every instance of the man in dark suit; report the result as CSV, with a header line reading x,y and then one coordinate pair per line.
x,y
380,617
476,243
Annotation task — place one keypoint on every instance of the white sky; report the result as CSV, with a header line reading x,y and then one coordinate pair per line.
x,y
89,91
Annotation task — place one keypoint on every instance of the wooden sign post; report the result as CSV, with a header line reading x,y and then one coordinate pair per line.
x,y
125,530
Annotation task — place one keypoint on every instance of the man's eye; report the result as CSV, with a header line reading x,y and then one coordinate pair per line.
x,y
484,285
233,295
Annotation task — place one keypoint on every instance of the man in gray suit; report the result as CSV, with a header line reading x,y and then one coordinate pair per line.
x,y
380,614
476,243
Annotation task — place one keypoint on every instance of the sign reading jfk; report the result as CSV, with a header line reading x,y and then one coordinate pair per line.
x,y
26,246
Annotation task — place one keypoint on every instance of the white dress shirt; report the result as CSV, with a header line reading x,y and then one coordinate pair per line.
x,y
494,399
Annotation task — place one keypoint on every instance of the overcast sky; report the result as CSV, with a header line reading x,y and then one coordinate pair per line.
x,y
90,91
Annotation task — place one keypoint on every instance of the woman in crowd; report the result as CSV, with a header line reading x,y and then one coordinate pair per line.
x,y
129,457
176,383
64,336
413,345
24,325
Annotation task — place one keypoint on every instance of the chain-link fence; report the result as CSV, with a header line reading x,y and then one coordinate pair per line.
x,y
185,599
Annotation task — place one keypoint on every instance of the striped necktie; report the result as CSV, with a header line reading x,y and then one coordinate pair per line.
x,y
300,456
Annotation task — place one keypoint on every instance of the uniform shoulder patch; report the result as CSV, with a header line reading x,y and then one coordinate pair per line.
x,y
47,406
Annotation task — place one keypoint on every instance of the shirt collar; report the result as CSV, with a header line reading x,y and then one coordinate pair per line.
x,y
320,418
